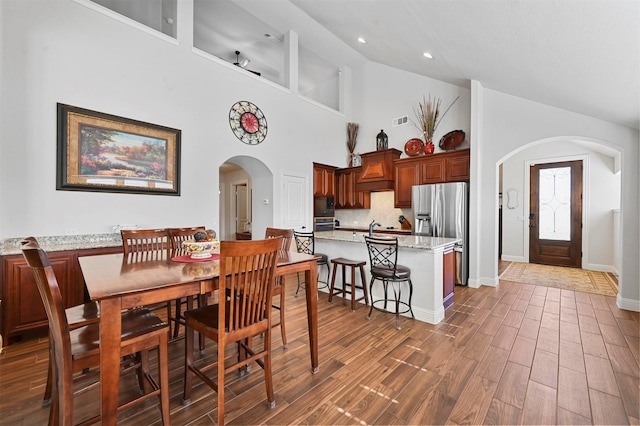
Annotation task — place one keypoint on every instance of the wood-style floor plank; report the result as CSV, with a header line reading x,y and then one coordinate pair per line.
x,y
513,354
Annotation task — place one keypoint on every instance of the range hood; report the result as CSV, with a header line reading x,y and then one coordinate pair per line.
x,y
377,170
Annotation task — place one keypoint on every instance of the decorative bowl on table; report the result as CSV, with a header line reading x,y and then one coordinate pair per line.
x,y
200,249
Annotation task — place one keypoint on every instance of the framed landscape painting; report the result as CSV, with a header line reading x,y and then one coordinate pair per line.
x,y
102,152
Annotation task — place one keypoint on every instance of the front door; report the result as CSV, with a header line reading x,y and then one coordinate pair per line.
x,y
555,218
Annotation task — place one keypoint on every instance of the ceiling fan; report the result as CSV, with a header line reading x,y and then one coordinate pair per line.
x,y
243,63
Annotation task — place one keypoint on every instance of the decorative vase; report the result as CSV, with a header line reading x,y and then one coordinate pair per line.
x,y
429,148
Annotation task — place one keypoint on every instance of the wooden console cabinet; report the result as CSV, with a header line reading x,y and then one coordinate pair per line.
x,y
450,166
22,310
347,195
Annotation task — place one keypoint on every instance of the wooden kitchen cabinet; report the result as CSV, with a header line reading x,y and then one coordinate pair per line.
x,y
407,173
448,276
324,180
22,310
347,195
450,166
433,170
457,167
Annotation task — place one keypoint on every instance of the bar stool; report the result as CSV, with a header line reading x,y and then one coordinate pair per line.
x,y
383,256
353,264
305,243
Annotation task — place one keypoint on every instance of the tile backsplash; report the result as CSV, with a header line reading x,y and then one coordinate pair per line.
x,y
382,211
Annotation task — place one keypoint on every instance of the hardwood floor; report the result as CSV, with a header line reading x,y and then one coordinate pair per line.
x,y
514,354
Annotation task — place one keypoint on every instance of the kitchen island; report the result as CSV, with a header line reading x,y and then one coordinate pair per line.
x,y
424,255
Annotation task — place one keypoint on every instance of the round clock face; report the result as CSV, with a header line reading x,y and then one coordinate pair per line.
x,y
248,123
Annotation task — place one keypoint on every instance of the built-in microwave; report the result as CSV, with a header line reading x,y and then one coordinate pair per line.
x,y
323,207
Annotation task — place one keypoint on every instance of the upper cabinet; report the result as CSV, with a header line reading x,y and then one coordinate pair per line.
x,y
324,178
450,166
347,195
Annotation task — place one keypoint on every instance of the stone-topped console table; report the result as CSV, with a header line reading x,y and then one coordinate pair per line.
x,y
21,309
424,255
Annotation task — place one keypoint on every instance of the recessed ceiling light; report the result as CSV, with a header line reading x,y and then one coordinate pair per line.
x,y
427,55
361,40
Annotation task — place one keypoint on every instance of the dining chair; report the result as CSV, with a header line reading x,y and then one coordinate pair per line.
x,y
77,316
176,237
78,350
148,244
247,270
305,243
383,260
278,285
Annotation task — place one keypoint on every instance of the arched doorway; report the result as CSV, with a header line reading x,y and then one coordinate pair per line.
x,y
258,181
601,199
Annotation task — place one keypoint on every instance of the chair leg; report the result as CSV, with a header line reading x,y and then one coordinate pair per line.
x,y
54,408
267,371
143,370
363,280
176,323
188,363
46,400
410,296
220,390
282,329
202,302
170,319
353,287
163,373
398,295
333,282
299,284
371,292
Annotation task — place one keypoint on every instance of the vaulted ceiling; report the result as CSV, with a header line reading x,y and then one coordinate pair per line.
x,y
582,56
578,55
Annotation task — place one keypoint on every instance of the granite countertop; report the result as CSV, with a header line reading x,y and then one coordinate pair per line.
x,y
409,241
377,230
10,246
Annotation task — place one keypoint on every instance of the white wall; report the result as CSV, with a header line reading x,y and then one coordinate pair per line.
x,y
510,124
65,52
383,93
601,195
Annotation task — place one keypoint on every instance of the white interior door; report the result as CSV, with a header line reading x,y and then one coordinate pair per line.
x,y
295,201
241,208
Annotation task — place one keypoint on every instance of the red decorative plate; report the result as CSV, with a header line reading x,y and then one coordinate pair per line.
x,y
414,147
452,140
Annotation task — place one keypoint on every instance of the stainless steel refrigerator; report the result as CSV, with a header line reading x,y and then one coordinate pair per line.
x,y
442,210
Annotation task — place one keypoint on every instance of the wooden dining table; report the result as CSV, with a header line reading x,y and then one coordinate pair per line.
x,y
119,282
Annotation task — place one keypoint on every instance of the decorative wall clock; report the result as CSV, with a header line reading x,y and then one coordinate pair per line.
x,y
248,123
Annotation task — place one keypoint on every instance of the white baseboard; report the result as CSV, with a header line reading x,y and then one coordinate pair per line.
x,y
476,283
628,304
514,258
601,268
432,317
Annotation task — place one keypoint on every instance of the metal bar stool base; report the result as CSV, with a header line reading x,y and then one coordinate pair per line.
x,y
397,302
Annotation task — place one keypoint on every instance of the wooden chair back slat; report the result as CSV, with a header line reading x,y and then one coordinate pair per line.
x,y
249,267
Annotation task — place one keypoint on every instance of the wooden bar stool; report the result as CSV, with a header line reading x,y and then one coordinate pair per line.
x,y
353,264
